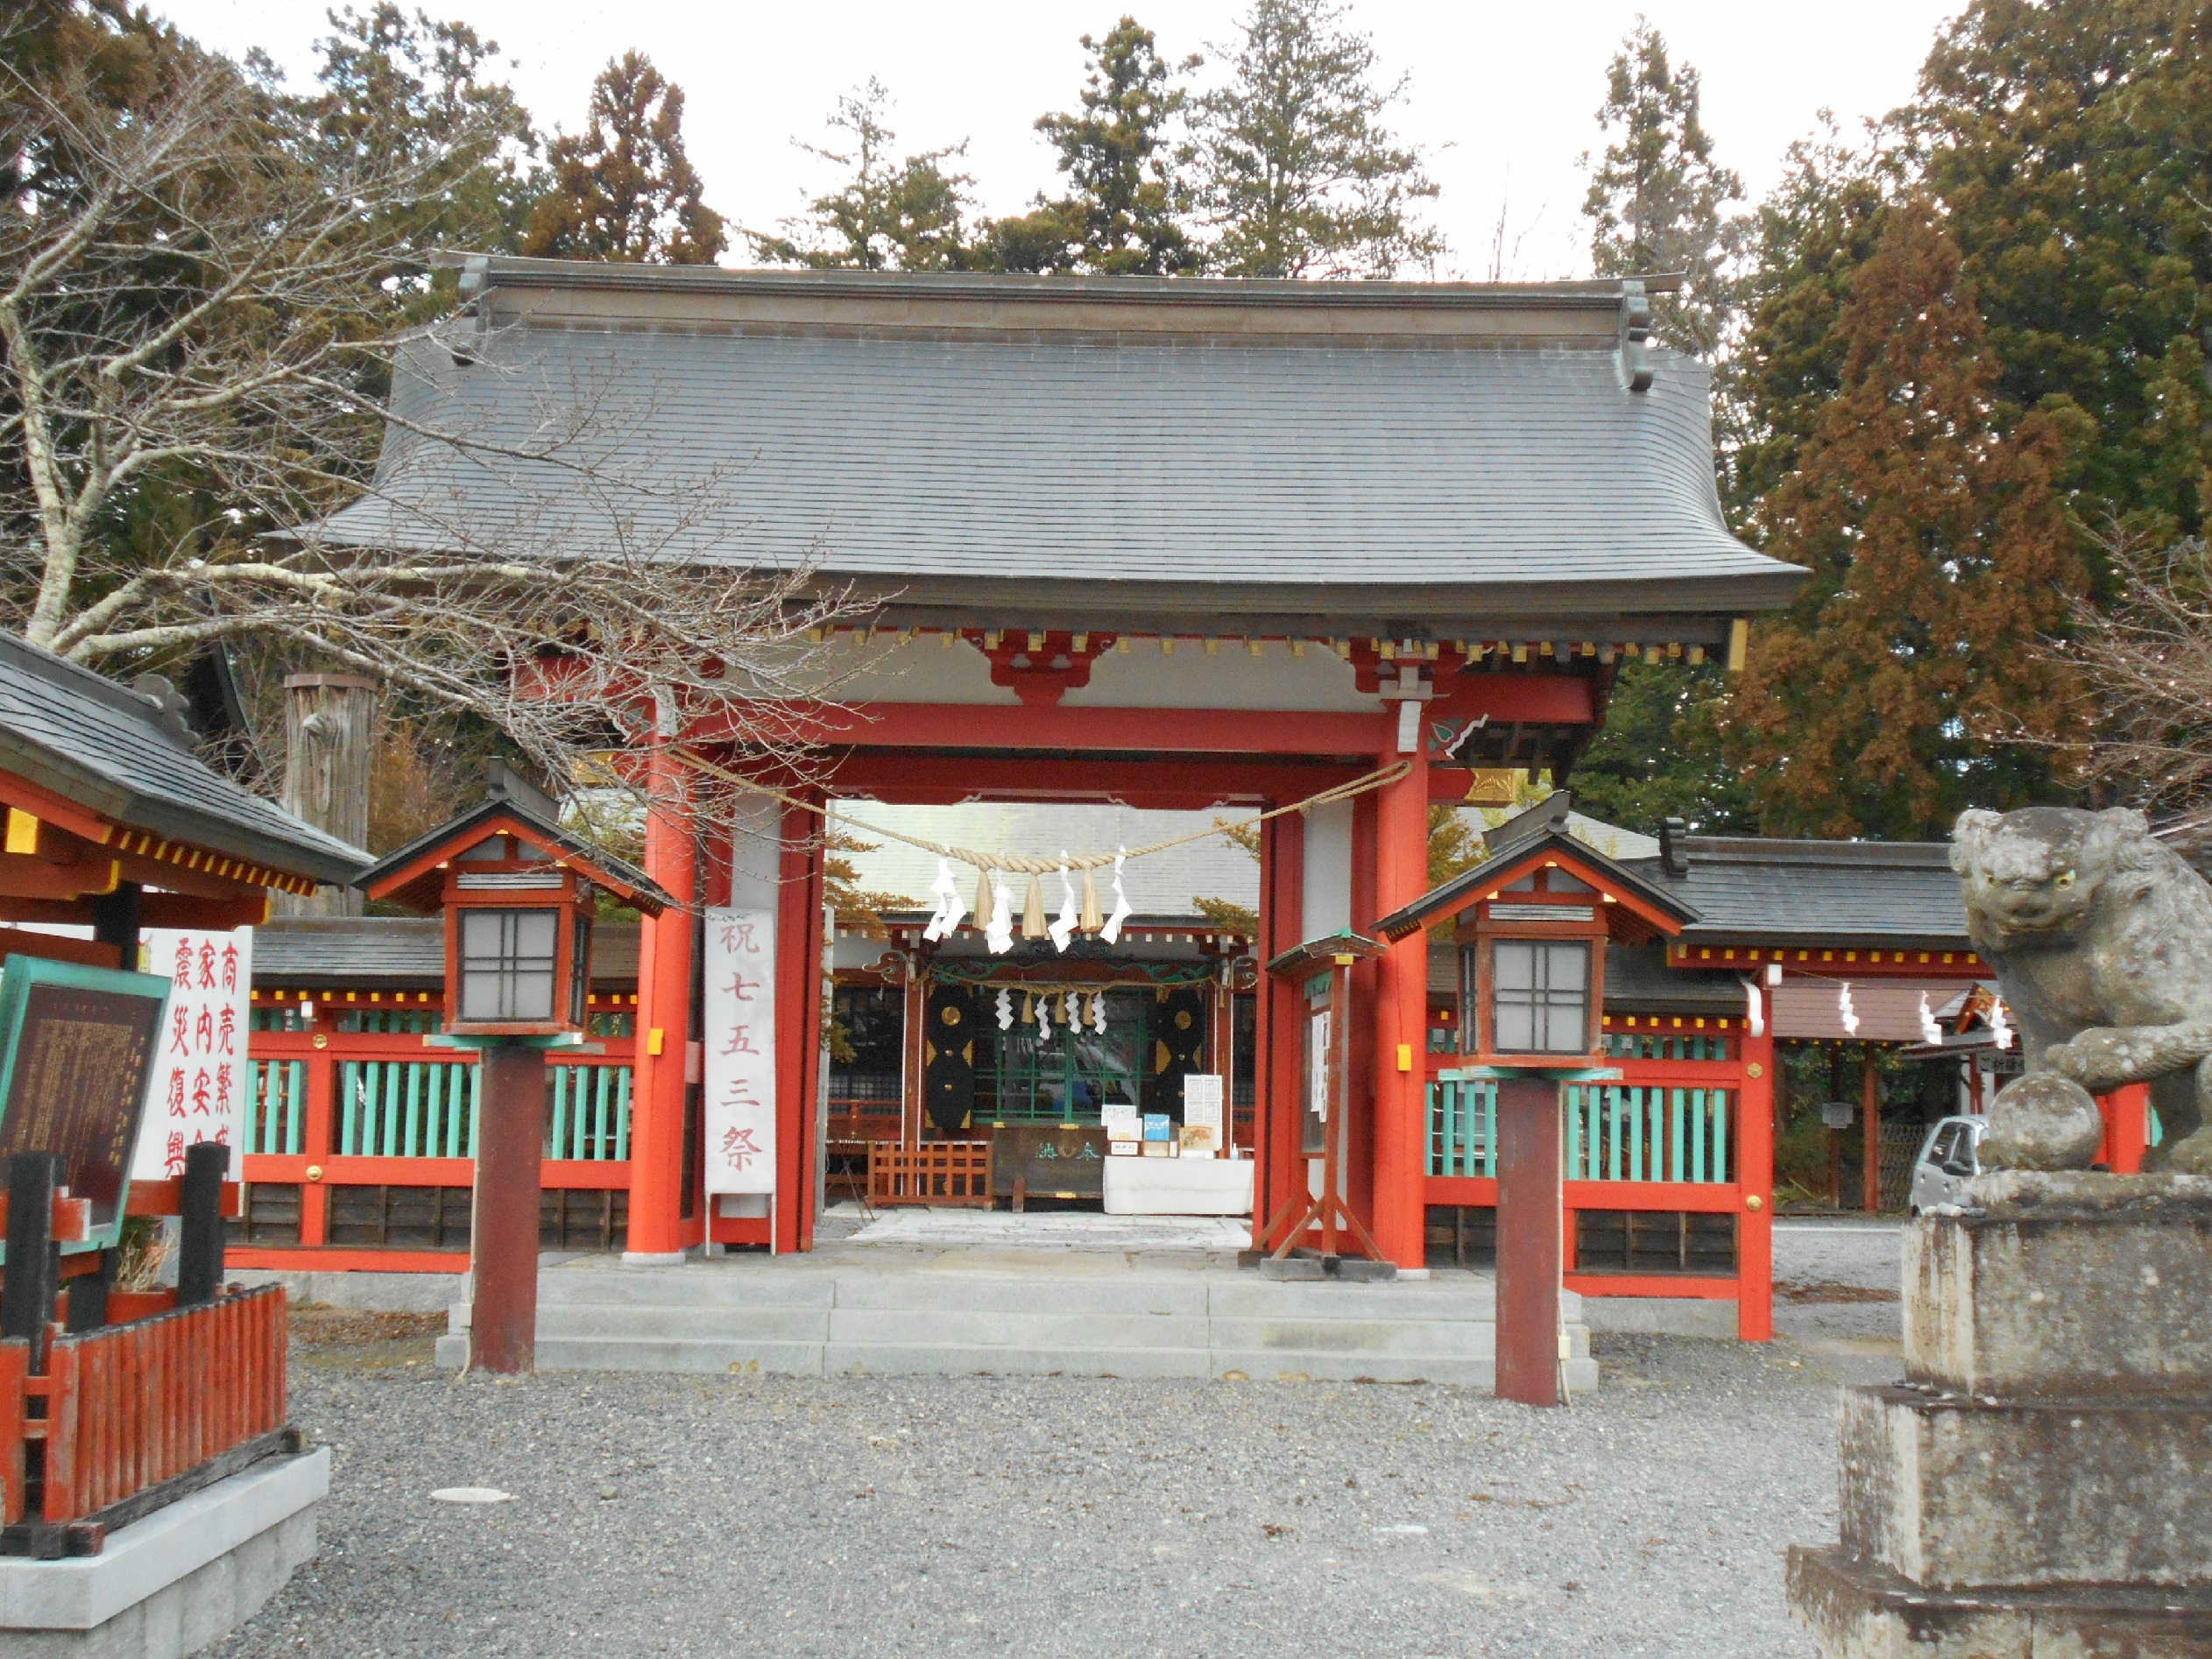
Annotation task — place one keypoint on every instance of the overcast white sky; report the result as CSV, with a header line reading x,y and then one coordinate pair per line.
x,y
1502,96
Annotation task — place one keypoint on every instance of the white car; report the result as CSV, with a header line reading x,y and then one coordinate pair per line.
x,y
1949,1158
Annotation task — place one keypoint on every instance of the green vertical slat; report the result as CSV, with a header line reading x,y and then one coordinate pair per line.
x,y
442,1113
476,1100
1638,1134
1721,1134
556,1078
295,1105
347,1122
388,1109
602,1086
1574,1132
1432,1104
622,1114
1490,1129
1613,1096
580,1107
1594,1132
412,1137
1674,1149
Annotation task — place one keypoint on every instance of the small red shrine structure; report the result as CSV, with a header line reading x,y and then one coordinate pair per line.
x,y
1190,544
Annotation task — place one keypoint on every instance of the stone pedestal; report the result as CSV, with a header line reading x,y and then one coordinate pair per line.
x,y
2040,1482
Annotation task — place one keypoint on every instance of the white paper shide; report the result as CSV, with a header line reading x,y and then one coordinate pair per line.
x,y
201,1076
739,1076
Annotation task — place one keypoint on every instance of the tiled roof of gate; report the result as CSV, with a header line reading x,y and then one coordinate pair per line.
x,y
1205,464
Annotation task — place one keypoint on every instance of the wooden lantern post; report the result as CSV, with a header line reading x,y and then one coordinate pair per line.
x,y
1531,922
518,894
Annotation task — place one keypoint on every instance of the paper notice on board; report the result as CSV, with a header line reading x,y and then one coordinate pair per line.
x,y
1317,1073
740,1025
1202,1112
201,1077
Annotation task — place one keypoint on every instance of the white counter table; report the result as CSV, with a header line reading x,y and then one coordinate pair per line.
x,y
1178,1186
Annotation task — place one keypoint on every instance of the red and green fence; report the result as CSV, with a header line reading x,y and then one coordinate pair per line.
x,y
359,1141
1667,1181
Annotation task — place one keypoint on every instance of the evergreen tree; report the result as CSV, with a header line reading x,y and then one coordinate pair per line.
x,y
398,86
1657,201
1881,702
1658,755
1294,168
624,189
2070,142
1118,154
890,215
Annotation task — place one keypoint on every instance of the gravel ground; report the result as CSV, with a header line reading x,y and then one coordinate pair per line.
x,y
858,1517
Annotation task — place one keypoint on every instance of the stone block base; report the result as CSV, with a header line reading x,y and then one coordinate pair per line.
x,y
176,1582
1952,1491
1856,1611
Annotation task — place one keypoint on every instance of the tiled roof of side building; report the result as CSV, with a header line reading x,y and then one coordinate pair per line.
x,y
392,953
1232,474
106,747
1751,888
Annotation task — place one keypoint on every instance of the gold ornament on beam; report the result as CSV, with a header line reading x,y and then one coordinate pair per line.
x,y
1032,910
1093,918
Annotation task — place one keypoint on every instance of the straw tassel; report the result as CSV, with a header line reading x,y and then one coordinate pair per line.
x,y
1033,910
982,918
1094,917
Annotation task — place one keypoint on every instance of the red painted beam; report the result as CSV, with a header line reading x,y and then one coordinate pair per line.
x,y
1539,700
1188,785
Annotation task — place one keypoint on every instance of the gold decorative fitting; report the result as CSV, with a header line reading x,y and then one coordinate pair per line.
x,y
1754,1202
315,1172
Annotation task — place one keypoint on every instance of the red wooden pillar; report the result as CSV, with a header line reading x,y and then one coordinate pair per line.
x,y
1531,1218
1869,1130
2127,1127
1401,1018
318,1137
502,1228
663,1023
1279,1103
1754,1178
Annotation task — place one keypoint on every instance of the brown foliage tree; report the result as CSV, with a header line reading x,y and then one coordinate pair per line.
x,y
624,189
1941,554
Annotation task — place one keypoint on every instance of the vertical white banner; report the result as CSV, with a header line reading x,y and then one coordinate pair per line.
x,y
740,1081
201,1078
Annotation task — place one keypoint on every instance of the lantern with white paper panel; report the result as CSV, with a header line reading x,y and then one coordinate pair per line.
x,y
517,892
1530,923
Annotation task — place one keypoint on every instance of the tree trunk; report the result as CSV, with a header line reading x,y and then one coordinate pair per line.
x,y
329,734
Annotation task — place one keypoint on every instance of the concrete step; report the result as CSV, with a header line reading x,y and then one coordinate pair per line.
x,y
811,1322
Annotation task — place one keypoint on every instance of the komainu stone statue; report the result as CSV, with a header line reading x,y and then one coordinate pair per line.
x,y
2101,940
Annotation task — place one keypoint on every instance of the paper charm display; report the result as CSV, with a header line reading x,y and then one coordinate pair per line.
x,y
1845,1014
1998,1028
998,935
1005,1009
1111,932
1930,1031
202,1078
1098,1011
1062,928
947,916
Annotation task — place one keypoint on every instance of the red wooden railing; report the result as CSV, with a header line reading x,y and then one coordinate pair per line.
x,y
130,1407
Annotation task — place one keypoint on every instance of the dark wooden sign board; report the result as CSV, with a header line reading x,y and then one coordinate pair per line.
x,y
78,1047
1053,1161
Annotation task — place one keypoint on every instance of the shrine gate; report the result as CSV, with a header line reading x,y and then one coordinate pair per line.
x,y
1184,544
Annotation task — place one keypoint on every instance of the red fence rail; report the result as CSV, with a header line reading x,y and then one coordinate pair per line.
x,y
133,1406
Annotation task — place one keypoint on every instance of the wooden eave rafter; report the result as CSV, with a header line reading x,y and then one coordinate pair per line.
x,y
1613,898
